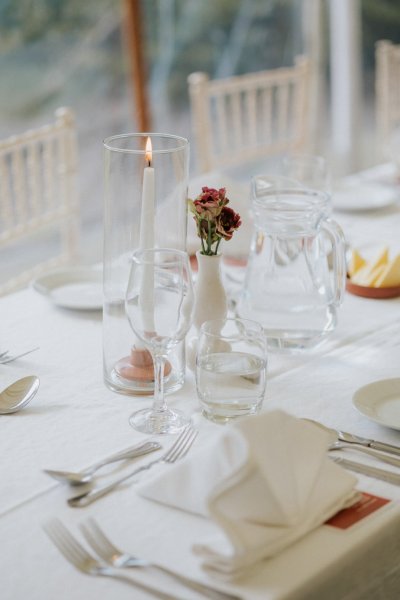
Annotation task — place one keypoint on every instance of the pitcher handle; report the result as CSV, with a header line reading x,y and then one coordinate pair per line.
x,y
335,233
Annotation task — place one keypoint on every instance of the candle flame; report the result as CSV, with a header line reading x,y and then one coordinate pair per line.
x,y
149,151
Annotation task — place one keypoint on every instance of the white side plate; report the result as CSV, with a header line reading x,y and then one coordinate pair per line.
x,y
380,402
363,197
75,288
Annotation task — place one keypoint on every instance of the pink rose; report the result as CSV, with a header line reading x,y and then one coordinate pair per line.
x,y
207,208
214,221
210,202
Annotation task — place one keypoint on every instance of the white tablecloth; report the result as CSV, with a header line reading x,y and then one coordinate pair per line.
x,y
74,420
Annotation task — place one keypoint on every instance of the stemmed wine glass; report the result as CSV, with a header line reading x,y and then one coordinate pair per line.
x,y
159,307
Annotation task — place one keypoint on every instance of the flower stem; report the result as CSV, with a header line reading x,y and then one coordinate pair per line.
x,y
209,251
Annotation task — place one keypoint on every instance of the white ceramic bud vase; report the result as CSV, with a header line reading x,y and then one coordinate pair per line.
x,y
210,296
210,300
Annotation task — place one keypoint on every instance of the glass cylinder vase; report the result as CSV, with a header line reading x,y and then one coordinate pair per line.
x,y
145,206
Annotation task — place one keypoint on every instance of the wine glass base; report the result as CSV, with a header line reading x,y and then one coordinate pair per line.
x,y
149,421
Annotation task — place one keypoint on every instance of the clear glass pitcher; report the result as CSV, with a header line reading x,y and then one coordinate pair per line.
x,y
295,277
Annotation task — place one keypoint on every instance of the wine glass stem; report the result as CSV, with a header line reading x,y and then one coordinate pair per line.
x,y
159,405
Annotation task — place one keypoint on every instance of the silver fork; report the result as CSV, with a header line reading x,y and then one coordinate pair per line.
x,y
178,450
5,357
78,556
119,559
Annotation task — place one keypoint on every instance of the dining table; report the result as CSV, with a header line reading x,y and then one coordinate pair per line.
x,y
75,419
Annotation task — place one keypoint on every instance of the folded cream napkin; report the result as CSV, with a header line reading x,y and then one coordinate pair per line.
x,y
265,481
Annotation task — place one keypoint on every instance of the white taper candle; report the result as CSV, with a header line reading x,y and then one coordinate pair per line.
x,y
147,239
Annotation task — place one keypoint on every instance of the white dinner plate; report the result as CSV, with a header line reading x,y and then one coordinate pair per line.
x,y
380,402
351,197
78,288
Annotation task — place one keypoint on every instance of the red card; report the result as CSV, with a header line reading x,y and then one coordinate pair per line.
x,y
349,516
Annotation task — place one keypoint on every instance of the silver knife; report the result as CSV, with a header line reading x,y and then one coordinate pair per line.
x,y
343,436
351,438
367,470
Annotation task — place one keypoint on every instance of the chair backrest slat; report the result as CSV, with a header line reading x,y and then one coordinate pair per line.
x,y
38,198
49,162
6,210
19,187
221,121
34,181
252,115
266,111
282,110
251,110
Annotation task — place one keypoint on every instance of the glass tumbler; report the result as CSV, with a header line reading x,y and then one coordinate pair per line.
x,y
145,206
231,368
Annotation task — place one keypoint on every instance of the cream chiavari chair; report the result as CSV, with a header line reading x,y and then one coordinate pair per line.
x,y
250,116
39,211
387,90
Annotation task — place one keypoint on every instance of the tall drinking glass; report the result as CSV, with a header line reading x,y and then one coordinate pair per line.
x,y
159,307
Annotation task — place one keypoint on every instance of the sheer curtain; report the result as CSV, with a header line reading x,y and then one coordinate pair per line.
x,y
55,53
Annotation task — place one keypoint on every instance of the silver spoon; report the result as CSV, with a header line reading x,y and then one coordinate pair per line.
x,y
18,394
85,476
